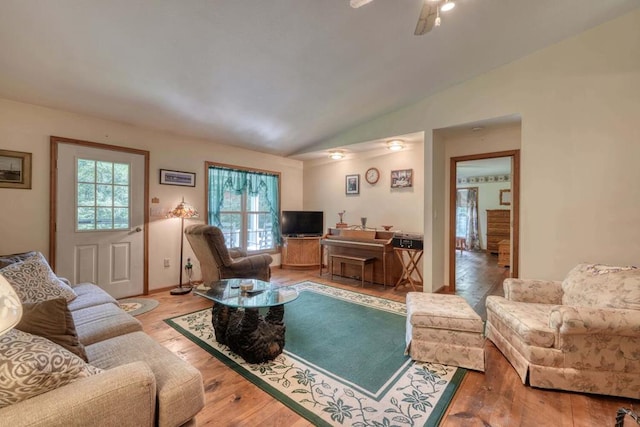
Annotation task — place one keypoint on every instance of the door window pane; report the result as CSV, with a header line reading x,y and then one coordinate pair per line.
x,y
103,195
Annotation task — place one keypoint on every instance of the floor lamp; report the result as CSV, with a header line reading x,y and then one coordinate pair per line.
x,y
183,211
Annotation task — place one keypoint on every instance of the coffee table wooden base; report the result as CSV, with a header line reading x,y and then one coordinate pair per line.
x,y
254,337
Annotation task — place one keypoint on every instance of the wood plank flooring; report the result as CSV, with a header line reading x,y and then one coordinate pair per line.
x,y
495,398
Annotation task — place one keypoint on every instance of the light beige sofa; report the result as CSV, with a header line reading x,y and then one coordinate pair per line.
x,y
581,334
142,382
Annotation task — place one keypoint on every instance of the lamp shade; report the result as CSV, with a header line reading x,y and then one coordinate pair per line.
x,y
184,210
10,307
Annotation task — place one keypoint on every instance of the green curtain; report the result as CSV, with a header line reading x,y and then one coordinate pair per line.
x,y
241,181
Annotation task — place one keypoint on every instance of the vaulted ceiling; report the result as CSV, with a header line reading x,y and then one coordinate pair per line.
x,y
277,76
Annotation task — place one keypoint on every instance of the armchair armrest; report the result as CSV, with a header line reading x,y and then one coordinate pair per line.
x,y
127,392
572,320
536,291
254,262
237,252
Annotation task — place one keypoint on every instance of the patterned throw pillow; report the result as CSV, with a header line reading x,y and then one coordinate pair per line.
x,y
31,365
599,285
13,258
34,281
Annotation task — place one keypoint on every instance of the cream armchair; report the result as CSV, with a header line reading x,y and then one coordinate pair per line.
x,y
217,262
581,334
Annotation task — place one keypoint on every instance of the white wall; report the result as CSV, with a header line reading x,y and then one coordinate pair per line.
x,y
579,101
26,127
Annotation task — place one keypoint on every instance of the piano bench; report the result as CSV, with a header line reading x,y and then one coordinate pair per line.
x,y
353,260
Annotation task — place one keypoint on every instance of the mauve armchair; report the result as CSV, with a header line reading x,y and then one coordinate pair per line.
x,y
219,262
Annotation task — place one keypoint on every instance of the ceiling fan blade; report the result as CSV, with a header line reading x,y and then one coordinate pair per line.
x,y
357,3
427,18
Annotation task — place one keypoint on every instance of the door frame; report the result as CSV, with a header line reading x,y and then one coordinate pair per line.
x,y
515,209
54,141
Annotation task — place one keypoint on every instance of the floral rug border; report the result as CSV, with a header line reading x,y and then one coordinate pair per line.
x,y
416,395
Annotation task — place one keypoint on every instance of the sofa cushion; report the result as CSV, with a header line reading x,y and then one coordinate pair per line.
x,y
31,365
179,385
102,322
529,321
90,295
6,260
598,285
442,311
34,281
52,320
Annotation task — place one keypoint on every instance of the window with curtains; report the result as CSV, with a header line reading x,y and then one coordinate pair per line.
x,y
245,205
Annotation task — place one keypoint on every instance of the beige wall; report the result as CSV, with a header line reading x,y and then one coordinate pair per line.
x,y
490,140
324,189
24,222
579,101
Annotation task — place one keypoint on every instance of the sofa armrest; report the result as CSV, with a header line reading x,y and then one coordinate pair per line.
x,y
572,320
536,291
127,392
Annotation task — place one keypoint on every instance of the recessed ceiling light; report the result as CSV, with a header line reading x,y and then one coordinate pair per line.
x,y
336,155
395,145
477,128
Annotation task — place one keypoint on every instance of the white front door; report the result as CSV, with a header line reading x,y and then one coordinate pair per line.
x,y
100,218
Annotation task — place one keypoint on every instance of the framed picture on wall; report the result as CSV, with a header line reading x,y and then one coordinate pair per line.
x,y
352,184
15,169
505,197
169,177
402,178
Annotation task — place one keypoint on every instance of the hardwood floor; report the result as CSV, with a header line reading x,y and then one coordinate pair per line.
x,y
478,276
495,398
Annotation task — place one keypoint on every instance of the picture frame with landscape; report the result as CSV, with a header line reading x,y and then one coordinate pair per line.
x,y
171,177
15,169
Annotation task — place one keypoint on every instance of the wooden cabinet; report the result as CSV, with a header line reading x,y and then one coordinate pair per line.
x,y
498,228
300,252
504,253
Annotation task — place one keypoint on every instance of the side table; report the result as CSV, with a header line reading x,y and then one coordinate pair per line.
x,y
409,259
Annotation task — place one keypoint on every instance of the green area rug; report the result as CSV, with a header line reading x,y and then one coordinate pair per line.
x,y
343,363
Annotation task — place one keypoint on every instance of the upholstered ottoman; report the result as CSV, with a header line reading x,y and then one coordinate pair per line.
x,y
444,329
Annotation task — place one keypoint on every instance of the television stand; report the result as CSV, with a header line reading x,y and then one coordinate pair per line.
x,y
300,252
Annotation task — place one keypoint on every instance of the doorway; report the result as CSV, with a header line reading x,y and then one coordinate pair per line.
x,y
99,215
513,214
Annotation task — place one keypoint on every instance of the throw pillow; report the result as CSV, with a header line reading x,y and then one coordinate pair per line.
x,y
34,281
31,365
599,285
11,259
52,320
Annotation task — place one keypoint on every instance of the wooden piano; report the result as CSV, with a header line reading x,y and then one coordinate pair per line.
x,y
362,243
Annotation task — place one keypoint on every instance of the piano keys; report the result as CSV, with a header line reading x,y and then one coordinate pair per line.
x,y
362,243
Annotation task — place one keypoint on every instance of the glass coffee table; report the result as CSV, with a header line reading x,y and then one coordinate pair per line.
x,y
236,319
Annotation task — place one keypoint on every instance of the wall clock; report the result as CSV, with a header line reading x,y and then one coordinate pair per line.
x,y
372,175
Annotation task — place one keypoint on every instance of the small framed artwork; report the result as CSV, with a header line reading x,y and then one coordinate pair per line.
x,y
15,169
352,184
505,197
169,177
402,178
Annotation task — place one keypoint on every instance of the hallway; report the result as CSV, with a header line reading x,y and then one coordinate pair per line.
x,y
478,276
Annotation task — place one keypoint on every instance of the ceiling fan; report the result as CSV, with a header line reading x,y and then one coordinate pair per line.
x,y
429,15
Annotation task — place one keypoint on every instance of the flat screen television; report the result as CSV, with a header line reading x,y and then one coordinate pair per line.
x,y
302,223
